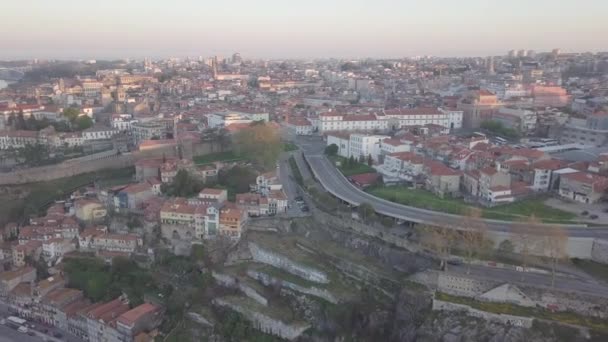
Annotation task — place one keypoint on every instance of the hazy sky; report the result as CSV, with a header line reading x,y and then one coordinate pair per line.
x,y
291,28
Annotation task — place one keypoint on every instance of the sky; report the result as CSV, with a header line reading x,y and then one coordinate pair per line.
x,y
104,29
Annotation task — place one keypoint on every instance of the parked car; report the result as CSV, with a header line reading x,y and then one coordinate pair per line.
x,y
593,217
585,213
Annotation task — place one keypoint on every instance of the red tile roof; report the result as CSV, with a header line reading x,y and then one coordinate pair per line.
x,y
131,317
365,178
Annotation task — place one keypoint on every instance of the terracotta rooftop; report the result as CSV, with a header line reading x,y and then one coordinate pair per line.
x,y
131,317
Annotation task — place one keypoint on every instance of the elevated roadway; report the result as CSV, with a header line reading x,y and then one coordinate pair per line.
x,y
335,183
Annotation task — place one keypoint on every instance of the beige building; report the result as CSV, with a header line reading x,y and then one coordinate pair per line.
x,y
10,279
232,221
441,180
89,210
477,106
582,187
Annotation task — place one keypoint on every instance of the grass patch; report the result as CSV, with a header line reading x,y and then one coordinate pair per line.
x,y
507,212
296,171
215,157
526,208
566,317
593,268
289,146
419,198
350,170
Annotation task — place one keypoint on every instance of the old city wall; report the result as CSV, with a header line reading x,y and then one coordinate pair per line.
x,y
92,163
268,280
232,282
267,257
265,323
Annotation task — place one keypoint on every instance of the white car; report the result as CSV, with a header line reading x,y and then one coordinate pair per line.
x,y
22,330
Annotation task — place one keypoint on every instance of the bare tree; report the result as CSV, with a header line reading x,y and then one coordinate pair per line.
x,y
525,235
440,240
554,243
473,235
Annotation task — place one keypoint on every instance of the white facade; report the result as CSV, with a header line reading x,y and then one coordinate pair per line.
x,y
92,89
301,127
123,124
343,143
542,179
342,122
223,119
95,133
527,117
365,145
448,118
388,146
56,248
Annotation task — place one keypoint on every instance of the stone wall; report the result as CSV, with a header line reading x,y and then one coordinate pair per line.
x,y
265,323
279,261
461,285
232,282
517,321
91,163
268,280
599,251
65,169
382,233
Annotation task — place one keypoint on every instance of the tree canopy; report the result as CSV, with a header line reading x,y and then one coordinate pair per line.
x,y
183,185
259,142
331,150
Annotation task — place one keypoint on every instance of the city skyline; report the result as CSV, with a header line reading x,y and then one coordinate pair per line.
x,y
273,29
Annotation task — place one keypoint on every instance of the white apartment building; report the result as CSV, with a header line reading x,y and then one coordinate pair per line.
x,y
223,119
99,132
342,140
123,122
92,89
365,145
301,126
206,221
448,118
521,119
332,121
56,248
17,139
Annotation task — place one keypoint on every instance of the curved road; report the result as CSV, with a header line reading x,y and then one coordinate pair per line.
x,y
334,182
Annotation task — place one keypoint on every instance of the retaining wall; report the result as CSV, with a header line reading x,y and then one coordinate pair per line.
x,y
517,321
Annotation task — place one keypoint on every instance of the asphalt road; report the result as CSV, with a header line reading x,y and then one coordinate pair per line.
x,y
334,182
586,285
10,334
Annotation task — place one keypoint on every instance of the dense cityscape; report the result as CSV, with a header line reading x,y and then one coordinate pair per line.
x,y
237,198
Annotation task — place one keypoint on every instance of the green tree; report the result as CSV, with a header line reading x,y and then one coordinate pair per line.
x,y
351,161
183,185
331,150
71,113
366,212
237,179
259,142
506,247
33,155
83,122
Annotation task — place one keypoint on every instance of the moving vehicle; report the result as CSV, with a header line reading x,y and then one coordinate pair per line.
x,y
22,330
